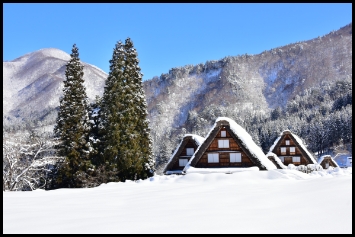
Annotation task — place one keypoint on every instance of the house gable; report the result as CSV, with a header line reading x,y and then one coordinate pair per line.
x,y
182,154
290,149
232,150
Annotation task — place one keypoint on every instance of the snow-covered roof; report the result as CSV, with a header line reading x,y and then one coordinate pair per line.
x,y
327,156
298,140
244,138
196,138
277,159
275,142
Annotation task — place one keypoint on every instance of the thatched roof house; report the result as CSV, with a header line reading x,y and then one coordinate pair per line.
x,y
290,149
228,145
183,153
326,161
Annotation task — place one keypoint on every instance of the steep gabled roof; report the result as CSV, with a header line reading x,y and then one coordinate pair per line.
x,y
279,165
243,139
298,141
328,157
187,137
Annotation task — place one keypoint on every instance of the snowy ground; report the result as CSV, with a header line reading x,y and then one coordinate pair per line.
x,y
277,201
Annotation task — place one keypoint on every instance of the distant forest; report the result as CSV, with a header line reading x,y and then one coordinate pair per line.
x,y
322,117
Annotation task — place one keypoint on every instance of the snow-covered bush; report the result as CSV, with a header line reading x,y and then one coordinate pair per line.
x,y
314,167
302,168
291,167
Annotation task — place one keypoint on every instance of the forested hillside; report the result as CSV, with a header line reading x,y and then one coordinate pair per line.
x,y
300,86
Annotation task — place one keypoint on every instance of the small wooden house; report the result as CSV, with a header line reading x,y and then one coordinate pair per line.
x,y
326,161
290,149
183,153
228,145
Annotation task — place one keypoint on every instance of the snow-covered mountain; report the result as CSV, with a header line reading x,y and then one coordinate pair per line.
x,y
33,84
250,82
235,86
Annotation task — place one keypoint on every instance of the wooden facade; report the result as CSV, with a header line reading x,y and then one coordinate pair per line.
x,y
182,155
326,161
290,151
223,148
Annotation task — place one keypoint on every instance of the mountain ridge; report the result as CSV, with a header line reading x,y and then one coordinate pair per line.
x,y
269,73
238,87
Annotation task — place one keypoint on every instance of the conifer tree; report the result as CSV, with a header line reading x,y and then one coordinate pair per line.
x,y
124,130
110,117
138,157
72,128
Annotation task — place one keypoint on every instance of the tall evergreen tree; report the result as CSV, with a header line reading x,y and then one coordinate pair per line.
x,y
110,113
72,128
125,132
139,159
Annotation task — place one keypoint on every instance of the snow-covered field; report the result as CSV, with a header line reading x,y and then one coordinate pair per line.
x,y
252,201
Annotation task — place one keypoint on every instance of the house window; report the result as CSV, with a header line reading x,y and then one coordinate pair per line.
x,y
223,134
296,159
235,157
282,159
223,143
183,162
283,150
213,158
287,142
189,151
292,150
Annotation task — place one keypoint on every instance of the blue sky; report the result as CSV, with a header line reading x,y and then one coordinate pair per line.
x,y
166,35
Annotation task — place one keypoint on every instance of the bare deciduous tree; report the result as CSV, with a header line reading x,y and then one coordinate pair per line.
x,y
27,164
